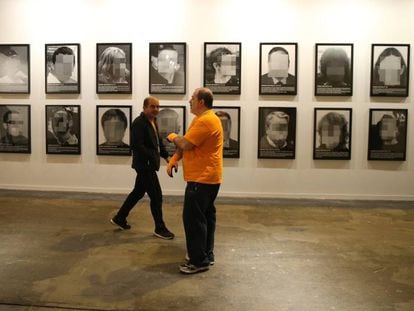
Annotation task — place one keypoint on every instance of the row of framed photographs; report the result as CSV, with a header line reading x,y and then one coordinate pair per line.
x,y
278,70
276,132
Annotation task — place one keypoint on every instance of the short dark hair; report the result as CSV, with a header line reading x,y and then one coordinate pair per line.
x,y
206,95
217,54
62,50
7,114
277,49
156,49
114,114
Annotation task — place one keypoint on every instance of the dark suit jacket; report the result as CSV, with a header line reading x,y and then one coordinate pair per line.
x,y
266,80
156,78
144,145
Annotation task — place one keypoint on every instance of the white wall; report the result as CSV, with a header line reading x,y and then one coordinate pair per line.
x,y
87,22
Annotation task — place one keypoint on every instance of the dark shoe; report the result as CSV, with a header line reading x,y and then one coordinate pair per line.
x,y
191,269
164,233
121,223
211,259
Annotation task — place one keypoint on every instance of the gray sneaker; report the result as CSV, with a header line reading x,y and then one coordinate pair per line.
x,y
191,269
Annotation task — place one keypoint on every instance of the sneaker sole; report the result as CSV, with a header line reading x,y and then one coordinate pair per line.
x,y
201,269
115,224
163,237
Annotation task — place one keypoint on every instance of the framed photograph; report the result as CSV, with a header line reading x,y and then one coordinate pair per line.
x,y
62,68
167,68
15,68
277,133
230,120
332,134
114,68
278,69
171,119
334,69
113,125
222,67
15,130
390,69
387,134
63,130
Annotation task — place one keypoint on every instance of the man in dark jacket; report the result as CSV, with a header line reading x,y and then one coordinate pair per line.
x,y
147,147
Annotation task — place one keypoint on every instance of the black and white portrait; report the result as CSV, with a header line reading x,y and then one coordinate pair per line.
x,y
167,68
230,120
387,134
277,133
114,68
222,67
171,119
15,129
278,69
332,134
62,72
390,66
113,130
63,132
15,68
334,69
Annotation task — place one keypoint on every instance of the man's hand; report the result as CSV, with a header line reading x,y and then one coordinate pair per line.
x,y
171,137
172,164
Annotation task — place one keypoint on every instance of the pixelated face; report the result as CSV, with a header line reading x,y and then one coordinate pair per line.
x,y
388,130
277,130
168,124
167,61
60,123
9,65
278,65
390,70
330,135
114,130
14,124
228,65
63,67
335,71
119,66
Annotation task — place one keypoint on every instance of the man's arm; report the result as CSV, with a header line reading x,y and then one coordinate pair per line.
x,y
180,142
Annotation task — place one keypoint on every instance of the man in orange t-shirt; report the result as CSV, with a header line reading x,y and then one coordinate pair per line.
x,y
202,152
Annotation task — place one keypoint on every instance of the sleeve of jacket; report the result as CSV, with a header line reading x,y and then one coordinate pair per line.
x,y
163,151
138,131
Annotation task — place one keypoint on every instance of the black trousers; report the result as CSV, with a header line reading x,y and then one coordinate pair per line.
x,y
199,217
145,182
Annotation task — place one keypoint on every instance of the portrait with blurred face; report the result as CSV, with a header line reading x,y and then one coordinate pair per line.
x,y
333,130
277,128
14,129
14,68
388,129
278,65
14,123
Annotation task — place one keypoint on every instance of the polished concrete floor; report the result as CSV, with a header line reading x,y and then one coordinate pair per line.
x,y
58,251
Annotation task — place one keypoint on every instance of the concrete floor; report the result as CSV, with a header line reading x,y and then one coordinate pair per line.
x,y
59,252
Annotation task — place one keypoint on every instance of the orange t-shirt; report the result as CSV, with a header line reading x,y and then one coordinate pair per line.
x,y
204,163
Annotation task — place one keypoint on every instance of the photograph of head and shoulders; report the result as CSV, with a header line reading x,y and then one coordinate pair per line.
x,y
230,121
278,69
167,67
15,68
334,69
171,119
390,70
15,129
62,68
113,68
63,134
222,67
277,133
387,134
332,134
113,134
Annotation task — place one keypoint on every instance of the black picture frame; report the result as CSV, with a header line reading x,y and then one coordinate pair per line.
x,y
15,129
114,79
278,69
390,70
63,129
230,75
228,117
113,138
332,136
387,135
277,133
171,119
14,69
167,67
62,68
334,64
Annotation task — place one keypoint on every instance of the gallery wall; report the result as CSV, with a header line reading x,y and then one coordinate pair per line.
x,y
306,22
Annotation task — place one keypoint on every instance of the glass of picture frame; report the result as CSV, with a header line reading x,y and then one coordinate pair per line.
x,y
277,133
278,69
332,134
167,68
15,130
114,68
390,70
15,68
63,129
387,134
222,67
334,69
113,130
62,68
230,120
171,119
